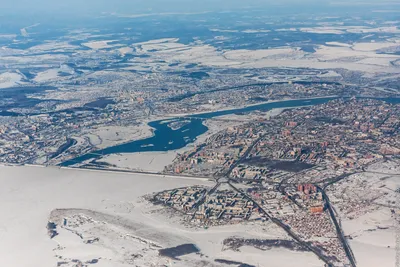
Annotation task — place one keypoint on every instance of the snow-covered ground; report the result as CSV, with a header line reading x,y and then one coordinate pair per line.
x,y
358,56
99,44
101,217
372,227
150,161
9,79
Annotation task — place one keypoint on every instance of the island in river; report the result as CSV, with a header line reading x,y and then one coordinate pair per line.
x,y
167,139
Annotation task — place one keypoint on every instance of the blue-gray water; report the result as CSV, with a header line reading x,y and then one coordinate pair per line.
x,y
165,139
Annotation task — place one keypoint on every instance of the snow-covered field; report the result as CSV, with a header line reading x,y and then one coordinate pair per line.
x,y
101,218
45,76
150,161
358,56
9,79
99,44
372,227
106,136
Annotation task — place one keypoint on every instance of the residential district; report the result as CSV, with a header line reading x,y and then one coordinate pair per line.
x,y
279,169
43,125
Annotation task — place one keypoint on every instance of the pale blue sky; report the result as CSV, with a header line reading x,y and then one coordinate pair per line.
x,y
142,6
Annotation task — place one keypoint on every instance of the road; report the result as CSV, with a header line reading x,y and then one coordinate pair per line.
x,y
98,169
244,156
339,230
336,179
274,220
285,228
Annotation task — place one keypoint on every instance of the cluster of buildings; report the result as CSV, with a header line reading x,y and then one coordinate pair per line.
x,y
210,206
301,208
235,93
182,199
226,206
221,151
36,132
307,196
27,139
319,231
285,162
311,145
274,202
40,138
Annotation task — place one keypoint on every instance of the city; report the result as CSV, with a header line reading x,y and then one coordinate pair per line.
x,y
215,133
285,165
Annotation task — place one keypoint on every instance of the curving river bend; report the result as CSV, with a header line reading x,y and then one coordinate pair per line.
x,y
165,138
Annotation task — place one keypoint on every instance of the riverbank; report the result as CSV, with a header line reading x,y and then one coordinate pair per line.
x,y
157,161
108,210
166,139
198,114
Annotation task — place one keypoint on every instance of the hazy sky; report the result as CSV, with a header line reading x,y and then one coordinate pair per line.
x,y
142,6
135,6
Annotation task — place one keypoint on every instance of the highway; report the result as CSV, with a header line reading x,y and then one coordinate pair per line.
x,y
339,230
285,228
244,156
